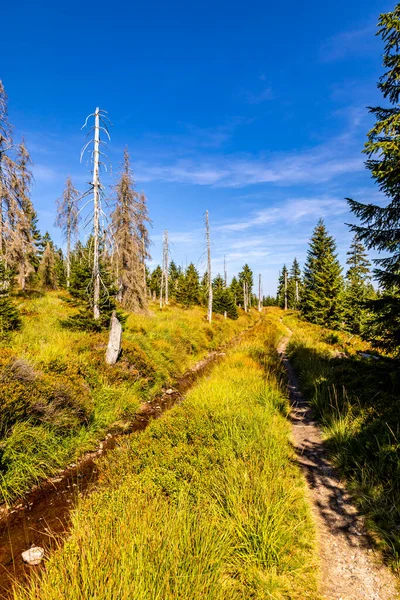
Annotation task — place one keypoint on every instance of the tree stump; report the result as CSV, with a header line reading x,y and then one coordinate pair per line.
x,y
114,341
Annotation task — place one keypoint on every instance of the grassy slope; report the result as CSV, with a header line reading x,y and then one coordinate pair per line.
x,y
57,396
206,503
358,402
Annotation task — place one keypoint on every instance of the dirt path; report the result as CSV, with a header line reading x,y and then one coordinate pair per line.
x,y
350,567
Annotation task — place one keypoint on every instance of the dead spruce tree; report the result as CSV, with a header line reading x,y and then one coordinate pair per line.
x,y
128,225
22,219
67,219
210,290
96,191
7,168
143,221
165,269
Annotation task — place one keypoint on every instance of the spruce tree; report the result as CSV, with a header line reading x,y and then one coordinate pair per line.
x,y
68,219
155,282
281,286
24,233
322,297
223,301
47,268
358,287
9,314
380,225
81,291
237,291
7,170
246,276
173,274
128,227
188,289
294,286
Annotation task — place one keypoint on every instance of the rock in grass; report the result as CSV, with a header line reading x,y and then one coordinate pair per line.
x,y
114,341
33,556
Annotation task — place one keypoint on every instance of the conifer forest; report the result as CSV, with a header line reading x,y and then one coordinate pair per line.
x,y
191,408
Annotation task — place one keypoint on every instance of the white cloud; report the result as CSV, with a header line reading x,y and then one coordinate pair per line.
x,y
357,42
291,210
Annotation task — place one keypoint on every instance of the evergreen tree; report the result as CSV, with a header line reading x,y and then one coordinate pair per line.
x,y
246,276
358,287
59,268
237,291
173,275
128,226
9,315
380,225
294,286
322,297
280,295
47,268
81,291
223,301
155,282
68,219
188,288
269,301
142,221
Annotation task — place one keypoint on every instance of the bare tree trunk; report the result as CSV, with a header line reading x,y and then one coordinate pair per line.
x,y
225,273
259,292
96,216
144,264
210,291
285,290
297,291
162,285
245,296
68,248
166,251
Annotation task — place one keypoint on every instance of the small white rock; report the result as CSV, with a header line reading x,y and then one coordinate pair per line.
x,y
169,391
33,556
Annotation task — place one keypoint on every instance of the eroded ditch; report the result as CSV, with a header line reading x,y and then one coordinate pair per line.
x,y
42,517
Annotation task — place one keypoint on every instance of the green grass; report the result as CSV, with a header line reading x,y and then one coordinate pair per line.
x,y
58,398
206,503
358,404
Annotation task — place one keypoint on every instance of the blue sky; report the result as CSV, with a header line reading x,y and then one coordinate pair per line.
x,y
254,111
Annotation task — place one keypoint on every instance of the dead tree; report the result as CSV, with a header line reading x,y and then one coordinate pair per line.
x,y
286,290
225,273
165,264
245,296
259,292
96,189
210,291
67,219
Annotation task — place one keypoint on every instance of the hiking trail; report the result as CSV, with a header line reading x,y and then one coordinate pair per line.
x,y
351,568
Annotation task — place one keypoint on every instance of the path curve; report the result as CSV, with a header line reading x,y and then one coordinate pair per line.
x,y
350,567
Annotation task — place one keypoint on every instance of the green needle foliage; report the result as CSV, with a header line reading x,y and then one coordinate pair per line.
x,y
188,287
323,285
223,300
358,287
9,315
81,286
380,225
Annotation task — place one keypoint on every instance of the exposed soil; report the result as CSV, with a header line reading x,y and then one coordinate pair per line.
x,y
351,567
42,517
